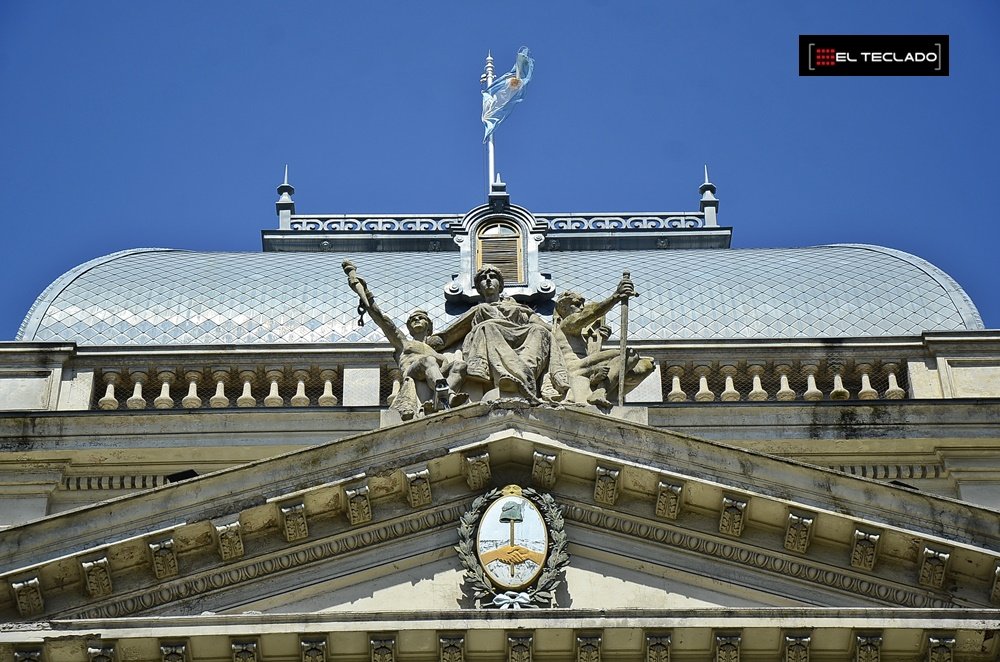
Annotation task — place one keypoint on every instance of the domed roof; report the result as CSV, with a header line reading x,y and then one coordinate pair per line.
x,y
171,297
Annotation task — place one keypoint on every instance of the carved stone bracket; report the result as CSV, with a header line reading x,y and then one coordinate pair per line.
x,y
520,649
359,507
173,652
727,648
313,650
477,471
248,571
940,649
230,541
798,533
606,485
797,649
451,649
383,649
868,648
293,522
244,651
657,648
588,649
28,595
418,488
101,654
733,516
668,500
995,591
543,469
864,550
97,577
734,551
933,566
164,558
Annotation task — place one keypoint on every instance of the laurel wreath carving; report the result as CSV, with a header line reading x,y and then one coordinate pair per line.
x,y
542,592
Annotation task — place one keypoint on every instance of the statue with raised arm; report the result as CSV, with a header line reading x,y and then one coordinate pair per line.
x,y
418,362
505,344
580,333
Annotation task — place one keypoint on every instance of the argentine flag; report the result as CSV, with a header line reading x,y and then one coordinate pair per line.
x,y
500,98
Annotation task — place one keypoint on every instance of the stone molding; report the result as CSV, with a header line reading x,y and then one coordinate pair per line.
x,y
527,439
817,573
964,634
250,570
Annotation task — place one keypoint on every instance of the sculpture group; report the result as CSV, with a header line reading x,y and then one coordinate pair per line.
x,y
503,348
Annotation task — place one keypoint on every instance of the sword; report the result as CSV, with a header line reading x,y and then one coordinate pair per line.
x,y
621,349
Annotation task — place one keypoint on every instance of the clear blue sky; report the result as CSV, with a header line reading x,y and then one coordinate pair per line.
x,y
132,124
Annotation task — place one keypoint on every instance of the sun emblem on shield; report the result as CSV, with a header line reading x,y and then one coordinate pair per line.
x,y
513,547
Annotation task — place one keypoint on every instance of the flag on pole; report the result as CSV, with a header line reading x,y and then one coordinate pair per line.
x,y
506,91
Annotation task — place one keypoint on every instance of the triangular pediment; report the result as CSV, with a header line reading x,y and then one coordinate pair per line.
x,y
654,520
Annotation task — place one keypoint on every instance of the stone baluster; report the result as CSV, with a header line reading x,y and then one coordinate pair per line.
x,y
166,377
838,392
784,392
893,392
866,392
730,394
812,393
676,393
246,399
757,393
328,399
704,393
139,378
220,375
112,378
396,379
273,397
300,399
191,400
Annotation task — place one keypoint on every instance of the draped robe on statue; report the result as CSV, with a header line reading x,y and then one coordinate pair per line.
x,y
510,346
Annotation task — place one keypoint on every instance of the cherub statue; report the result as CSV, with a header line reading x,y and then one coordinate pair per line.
x,y
417,361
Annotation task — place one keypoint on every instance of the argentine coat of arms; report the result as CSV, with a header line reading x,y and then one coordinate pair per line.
x,y
513,547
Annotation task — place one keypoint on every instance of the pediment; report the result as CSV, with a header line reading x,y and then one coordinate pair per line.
x,y
655,520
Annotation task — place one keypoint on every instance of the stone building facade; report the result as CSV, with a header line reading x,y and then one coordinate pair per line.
x,y
205,457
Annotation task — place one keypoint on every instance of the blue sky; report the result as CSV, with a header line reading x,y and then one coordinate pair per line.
x,y
131,124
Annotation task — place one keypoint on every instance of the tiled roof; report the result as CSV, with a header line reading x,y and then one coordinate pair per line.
x,y
163,296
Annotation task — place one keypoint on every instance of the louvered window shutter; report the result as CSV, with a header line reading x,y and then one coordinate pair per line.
x,y
500,245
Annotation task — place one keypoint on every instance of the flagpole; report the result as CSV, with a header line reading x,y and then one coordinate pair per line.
x,y
488,77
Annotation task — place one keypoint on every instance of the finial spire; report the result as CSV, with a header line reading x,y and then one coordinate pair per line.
x,y
286,174
709,203
285,206
706,173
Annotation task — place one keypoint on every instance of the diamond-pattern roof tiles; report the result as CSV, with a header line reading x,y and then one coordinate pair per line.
x,y
165,297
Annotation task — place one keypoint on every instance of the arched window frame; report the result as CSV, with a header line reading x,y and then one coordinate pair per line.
x,y
504,249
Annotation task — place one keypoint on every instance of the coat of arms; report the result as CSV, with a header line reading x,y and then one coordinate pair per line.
x,y
513,547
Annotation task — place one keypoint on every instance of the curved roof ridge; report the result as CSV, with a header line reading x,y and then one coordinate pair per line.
x,y
36,312
963,303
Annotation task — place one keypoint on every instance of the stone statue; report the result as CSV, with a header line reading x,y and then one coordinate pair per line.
x,y
417,361
580,333
505,344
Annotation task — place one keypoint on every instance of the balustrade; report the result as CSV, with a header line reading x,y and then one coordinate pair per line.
x,y
782,381
199,388
301,385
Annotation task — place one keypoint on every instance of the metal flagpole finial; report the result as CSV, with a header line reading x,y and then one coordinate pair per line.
x,y
488,73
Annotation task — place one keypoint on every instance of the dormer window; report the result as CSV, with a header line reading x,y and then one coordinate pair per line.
x,y
499,242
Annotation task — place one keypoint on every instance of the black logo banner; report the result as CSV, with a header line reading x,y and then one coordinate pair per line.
x,y
873,55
